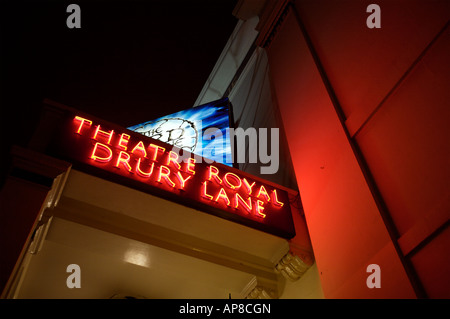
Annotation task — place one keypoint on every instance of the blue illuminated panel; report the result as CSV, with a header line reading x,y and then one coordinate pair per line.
x,y
202,130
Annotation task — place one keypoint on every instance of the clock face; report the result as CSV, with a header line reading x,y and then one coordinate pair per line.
x,y
175,131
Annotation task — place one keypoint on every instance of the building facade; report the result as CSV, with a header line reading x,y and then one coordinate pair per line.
x,y
359,95
364,111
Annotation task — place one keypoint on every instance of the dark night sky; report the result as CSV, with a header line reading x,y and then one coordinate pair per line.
x,y
130,62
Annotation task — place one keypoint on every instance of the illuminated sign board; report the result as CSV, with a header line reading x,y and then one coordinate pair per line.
x,y
201,130
151,165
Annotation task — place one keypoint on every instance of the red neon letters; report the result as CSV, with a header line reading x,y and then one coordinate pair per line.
x,y
138,159
237,193
151,163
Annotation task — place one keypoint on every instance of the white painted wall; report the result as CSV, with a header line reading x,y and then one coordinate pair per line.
x,y
307,287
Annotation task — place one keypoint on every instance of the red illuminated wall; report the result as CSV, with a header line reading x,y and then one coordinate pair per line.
x,y
366,113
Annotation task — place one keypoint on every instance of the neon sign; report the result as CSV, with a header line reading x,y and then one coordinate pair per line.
x,y
214,188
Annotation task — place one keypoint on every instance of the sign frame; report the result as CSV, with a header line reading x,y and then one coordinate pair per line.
x,y
83,144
